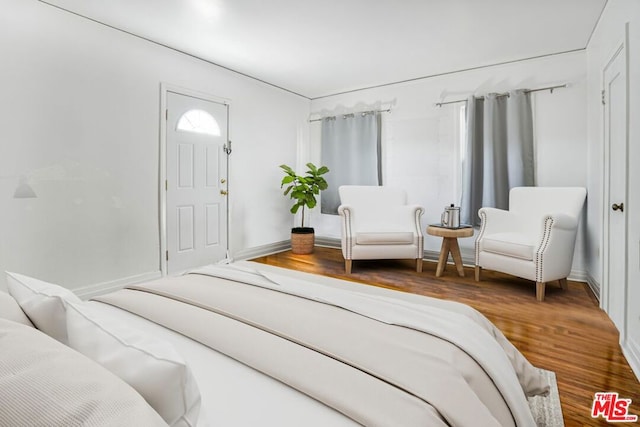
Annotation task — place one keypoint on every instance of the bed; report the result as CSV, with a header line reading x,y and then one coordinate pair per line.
x,y
253,344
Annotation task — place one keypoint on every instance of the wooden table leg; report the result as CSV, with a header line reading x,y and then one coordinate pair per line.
x,y
444,255
457,258
450,246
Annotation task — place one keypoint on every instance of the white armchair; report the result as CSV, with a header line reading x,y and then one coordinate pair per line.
x,y
377,223
534,239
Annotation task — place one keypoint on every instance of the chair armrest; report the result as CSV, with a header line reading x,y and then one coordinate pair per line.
x,y
556,246
348,231
414,213
498,221
343,208
553,225
394,218
402,217
561,221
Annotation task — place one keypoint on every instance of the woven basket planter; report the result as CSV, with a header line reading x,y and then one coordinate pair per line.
x,y
302,240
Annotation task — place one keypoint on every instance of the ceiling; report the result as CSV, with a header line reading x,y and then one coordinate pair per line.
x,y
325,47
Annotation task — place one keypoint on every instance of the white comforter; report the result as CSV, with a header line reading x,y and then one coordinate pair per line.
x,y
451,391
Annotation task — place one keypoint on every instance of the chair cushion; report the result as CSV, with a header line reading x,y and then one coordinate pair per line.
x,y
384,238
509,244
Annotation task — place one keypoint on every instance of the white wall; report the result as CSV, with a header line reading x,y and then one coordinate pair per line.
x,y
79,114
608,35
420,140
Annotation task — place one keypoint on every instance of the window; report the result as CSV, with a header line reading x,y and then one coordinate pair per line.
x,y
198,121
499,152
350,148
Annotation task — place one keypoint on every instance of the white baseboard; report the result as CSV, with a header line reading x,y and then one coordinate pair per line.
x,y
631,351
328,242
578,276
91,291
258,251
594,285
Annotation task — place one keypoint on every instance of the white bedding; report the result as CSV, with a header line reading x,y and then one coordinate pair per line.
x,y
229,385
234,394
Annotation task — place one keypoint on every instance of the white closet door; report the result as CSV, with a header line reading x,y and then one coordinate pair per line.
x,y
615,190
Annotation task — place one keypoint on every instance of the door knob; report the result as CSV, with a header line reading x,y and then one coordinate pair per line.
x,y
223,192
616,207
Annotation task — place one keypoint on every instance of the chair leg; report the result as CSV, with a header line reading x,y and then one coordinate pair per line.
x,y
540,291
419,265
478,271
347,266
563,284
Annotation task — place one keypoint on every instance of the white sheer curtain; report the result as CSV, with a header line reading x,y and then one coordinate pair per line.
x,y
499,151
351,149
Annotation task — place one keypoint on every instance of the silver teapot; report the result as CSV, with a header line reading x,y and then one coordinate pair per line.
x,y
450,218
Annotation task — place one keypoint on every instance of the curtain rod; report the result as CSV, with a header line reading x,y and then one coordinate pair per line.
x,y
357,112
549,88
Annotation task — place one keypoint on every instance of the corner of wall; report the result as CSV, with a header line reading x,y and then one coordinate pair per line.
x,y
91,291
263,250
593,285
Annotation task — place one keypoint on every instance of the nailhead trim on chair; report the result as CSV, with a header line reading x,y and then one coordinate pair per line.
x,y
420,253
548,223
347,224
483,218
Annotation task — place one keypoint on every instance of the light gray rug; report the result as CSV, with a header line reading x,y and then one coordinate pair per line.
x,y
546,410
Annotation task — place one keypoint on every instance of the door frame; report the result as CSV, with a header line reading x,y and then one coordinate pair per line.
x,y
620,49
165,88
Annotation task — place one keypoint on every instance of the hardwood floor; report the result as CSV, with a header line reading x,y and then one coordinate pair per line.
x,y
567,333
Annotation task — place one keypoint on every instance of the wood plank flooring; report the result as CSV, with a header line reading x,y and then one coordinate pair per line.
x,y
567,333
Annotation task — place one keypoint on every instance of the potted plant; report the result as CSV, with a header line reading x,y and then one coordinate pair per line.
x,y
303,190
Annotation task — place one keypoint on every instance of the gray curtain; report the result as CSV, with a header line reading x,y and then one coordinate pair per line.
x,y
351,146
499,151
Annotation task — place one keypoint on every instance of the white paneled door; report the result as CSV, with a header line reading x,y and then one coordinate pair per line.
x,y
196,186
615,190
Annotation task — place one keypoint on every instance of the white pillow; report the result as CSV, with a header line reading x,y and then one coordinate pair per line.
x,y
43,302
149,365
45,383
9,309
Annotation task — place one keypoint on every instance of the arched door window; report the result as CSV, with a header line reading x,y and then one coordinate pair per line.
x,y
198,121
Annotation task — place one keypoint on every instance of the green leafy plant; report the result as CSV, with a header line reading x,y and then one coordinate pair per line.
x,y
304,189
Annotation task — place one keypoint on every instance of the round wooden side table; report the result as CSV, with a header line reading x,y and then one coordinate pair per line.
x,y
449,245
